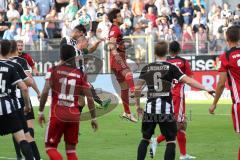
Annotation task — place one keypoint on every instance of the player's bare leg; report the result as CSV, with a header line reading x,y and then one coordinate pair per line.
x,y
24,145
71,151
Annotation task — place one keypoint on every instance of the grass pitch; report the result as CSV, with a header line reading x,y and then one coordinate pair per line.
x,y
208,137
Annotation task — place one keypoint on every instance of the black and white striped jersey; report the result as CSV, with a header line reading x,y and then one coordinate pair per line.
x,y
158,77
22,62
8,80
14,92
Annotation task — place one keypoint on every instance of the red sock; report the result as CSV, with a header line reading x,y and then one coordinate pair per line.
x,y
54,154
130,82
71,155
160,138
181,138
239,154
125,100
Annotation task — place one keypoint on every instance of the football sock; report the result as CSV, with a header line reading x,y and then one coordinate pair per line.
x,y
125,100
36,153
239,153
31,131
26,150
54,154
181,138
95,96
142,149
160,138
17,148
170,151
71,155
130,82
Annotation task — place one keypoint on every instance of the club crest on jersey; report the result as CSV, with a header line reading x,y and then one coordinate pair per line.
x,y
112,33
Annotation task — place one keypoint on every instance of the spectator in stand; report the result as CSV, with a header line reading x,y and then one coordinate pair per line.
x,y
44,7
226,12
178,16
100,12
61,17
28,4
237,10
67,26
103,28
71,10
188,40
151,4
211,15
163,26
177,29
153,31
202,36
26,17
3,25
137,10
50,25
126,27
10,33
170,35
143,21
37,19
198,20
18,35
151,16
162,5
187,12
28,33
125,12
216,21
92,12
3,6
199,5
85,19
12,13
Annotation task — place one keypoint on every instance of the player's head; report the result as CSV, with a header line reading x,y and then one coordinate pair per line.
x,y
233,34
67,52
161,49
5,47
78,31
114,16
82,43
174,48
14,48
20,46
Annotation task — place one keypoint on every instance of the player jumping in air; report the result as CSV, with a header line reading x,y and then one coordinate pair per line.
x,y
66,82
158,77
118,62
230,70
178,103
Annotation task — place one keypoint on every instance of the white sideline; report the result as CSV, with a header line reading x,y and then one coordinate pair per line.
x,y
7,158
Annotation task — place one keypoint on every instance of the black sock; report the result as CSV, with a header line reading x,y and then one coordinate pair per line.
x,y
142,149
17,148
95,96
31,131
36,153
26,150
170,151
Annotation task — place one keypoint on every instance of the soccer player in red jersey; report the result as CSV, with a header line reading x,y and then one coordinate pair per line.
x,y
118,62
229,70
66,83
178,102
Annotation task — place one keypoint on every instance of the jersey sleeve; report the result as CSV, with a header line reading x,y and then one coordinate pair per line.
x,y
114,32
30,60
176,73
223,63
15,78
25,65
21,72
188,70
143,73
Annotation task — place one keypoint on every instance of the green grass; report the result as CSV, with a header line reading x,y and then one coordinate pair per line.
x,y
209,137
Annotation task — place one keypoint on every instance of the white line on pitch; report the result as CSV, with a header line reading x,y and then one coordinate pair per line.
x,y
6,158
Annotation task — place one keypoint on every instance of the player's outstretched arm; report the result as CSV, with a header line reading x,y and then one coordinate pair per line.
x,y
193,83
43,100
34,85
95,46
22,86
138,89
219,90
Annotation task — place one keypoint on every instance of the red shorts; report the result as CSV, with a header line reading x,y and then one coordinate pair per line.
x,y
56,128
236,116
179,108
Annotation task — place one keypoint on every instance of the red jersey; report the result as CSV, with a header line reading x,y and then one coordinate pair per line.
x,y
115,32
28,58
183,64
230,63
66,85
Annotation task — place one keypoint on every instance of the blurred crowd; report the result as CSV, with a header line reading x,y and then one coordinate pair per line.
x,y
187,21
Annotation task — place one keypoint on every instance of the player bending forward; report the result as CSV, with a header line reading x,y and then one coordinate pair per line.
x,y
158,77
178,103
230,69
66,83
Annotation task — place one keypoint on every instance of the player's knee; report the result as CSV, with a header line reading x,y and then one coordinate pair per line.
x,y
182,126
146,137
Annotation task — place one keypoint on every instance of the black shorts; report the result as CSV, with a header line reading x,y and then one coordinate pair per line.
x,y
10,123
29,115
22,119
167,124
